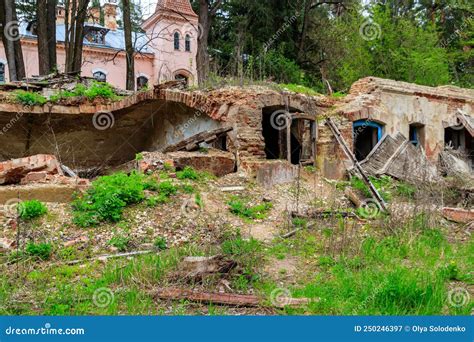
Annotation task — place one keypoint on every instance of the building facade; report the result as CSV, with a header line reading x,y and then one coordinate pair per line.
x,y
165,50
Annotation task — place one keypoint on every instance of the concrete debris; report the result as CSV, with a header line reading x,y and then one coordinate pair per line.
x,y
232,188
399,158
458,215
13,171
80,240
217,162
6,245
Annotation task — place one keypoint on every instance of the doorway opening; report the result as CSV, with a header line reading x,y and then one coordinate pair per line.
x,y
300,146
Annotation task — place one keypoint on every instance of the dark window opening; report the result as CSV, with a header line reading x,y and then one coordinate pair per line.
x,y
2,73
188,43
181,77
176,41
458,138
417,134
142,82
100,76
366,135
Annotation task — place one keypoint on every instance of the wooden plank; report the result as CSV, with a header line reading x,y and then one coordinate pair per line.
x,y
209,297
194,141
340,139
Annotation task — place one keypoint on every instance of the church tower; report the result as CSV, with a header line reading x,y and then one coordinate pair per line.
x,y
173,30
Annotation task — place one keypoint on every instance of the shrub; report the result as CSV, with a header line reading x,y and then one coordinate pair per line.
x,y
238,207
160,243
41,250
100,89
108,195
187,173
29,210
167,188
120,242
29,98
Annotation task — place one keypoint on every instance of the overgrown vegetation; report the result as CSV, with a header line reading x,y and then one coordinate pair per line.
x,y
109,195
240,207
29,210
40,250
29,98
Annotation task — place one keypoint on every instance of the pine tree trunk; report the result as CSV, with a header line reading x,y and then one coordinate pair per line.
x,y
127,26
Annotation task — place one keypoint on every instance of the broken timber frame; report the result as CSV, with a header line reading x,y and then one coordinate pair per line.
x,y
340,139
192,143
313,133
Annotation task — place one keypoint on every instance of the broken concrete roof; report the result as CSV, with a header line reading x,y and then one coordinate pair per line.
x,y
369,85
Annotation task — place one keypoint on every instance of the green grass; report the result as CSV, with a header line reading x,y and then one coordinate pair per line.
x,y
109,195
405,274
297,88
239,206
41,250
29,210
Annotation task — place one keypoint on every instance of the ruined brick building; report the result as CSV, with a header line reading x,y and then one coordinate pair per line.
x,y
269,131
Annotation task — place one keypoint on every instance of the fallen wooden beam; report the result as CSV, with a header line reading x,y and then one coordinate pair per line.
x,y
230,299
192,143
209,297
324,213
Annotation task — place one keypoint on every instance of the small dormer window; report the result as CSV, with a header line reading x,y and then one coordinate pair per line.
x,y
142,82
100,76
188,43
176,41
95,34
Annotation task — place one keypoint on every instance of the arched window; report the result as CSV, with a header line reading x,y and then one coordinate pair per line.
x,y
142,82
176,41
188,43
181,77
2,73
100,76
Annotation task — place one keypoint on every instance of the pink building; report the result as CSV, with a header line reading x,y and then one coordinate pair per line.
x,y
165,51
